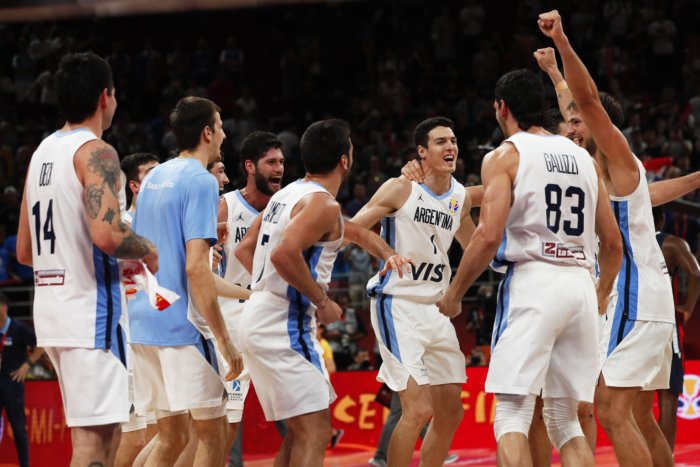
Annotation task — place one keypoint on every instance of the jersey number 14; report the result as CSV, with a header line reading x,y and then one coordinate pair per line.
x,y
49,235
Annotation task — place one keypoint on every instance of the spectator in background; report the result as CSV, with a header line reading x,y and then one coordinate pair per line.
x,y
359,199
359,264
361,361
15,362
9,212
344,334
17,271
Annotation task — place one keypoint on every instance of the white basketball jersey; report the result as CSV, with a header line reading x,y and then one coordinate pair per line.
x,y
240,216
78,297
422,229
320,257
552,215
643,284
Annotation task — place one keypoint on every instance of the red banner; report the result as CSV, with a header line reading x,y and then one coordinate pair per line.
x,y
354,411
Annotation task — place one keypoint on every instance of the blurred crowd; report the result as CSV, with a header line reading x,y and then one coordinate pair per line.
x,y
382,65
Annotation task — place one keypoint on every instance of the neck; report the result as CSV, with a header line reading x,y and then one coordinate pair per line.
x,y
255,197
94,124
439,183
196,154
330,181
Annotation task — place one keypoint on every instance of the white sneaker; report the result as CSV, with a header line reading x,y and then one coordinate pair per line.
x,y
450,459
378,462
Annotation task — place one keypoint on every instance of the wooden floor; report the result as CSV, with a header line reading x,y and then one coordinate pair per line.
x,y
685,455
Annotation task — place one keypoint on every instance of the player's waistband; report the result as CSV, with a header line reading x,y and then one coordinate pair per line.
x,y
269,297
551,268
430,300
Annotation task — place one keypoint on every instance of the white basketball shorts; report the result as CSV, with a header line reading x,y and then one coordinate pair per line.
x,y
545,333
417,341
278,341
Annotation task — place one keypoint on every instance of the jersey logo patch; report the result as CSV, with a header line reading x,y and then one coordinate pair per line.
x,y
240,217
454,206
559,251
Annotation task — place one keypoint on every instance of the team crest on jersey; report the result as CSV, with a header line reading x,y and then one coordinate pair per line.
x,y
689,401
454,206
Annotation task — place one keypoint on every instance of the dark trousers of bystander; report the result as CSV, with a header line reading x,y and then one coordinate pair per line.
x,y
12,400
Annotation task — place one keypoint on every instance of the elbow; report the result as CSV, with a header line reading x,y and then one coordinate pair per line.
x,y
489,239
24,257
279,258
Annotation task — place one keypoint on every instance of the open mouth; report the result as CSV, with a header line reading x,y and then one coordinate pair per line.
x,y
275,181
577,140
449,158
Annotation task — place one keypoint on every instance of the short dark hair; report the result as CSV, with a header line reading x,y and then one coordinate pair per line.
x,y
130,166
322,145
3,299
523,93
189,117
552,119
420,134
80,80
256,144
612,108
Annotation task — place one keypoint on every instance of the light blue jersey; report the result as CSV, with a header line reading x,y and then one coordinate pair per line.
x,y
177,203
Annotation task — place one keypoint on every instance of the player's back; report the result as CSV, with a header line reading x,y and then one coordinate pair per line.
x,y
552,215
643,283
177,203
77,297
277,215
422,229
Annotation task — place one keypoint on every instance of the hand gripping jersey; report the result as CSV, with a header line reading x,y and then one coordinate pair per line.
x,y
319,257
240,216
643,284
552,215
422,229
78,297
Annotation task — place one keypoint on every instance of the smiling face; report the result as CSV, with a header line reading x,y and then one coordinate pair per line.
x,y
442,151
269,171
219,171
578,133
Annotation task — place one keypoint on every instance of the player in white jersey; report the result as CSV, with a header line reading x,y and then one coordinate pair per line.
x,y
290,249
263,163
543,206
639,325
71,232
135,434
421,359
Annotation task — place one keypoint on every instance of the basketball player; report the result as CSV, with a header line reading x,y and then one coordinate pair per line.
x,y
635,344
136,166
660,192
263,164
677,254
72,237
290,249
543,206
218,170
421,359
175,365
137,432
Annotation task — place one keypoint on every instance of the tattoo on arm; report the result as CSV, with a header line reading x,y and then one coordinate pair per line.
x,y
123,226
109,215
93,195
132,247
105,163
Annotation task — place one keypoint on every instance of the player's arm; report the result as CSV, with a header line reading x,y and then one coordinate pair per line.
x,y
222,210
665,191
547,60
388,198
245,251
498,183
97,167
610,251
476,195
314,216
610,140
377,247
24,236
228,289
682,256
466,224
